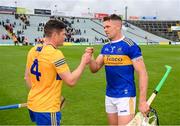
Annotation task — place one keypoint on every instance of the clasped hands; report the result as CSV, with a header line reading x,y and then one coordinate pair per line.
x,y
87,56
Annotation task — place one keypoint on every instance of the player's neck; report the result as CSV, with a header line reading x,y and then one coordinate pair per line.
x,y
117,37
49,42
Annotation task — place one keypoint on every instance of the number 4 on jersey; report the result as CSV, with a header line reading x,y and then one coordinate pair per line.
x,y
34,70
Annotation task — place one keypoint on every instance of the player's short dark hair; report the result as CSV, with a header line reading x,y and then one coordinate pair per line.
x,y
112,17
52,25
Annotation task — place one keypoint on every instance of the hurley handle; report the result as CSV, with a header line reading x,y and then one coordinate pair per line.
x,y
160,84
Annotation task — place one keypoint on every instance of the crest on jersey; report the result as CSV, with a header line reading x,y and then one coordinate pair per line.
x,y
119,49
112,49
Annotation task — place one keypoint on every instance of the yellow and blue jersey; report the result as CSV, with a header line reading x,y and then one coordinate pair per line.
x,y
44,64
119,68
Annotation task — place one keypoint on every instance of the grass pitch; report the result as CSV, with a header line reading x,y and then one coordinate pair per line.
x,y
85,101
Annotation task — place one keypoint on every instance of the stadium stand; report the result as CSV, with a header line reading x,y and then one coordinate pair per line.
x,y
35,29
4,35
86,27
141,36
160,28
29,29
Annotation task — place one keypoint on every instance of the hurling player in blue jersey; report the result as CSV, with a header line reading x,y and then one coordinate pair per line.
x,y
121,57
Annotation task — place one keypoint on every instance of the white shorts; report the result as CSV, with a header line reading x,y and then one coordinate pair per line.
x,y
121,106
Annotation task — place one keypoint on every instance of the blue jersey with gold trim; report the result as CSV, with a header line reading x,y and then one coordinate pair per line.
x,y
119,69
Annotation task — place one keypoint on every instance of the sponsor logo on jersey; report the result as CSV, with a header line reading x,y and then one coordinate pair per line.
x,y
117,60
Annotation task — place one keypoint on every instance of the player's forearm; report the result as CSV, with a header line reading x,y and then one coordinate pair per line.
x,y
93,66
76,74
143,84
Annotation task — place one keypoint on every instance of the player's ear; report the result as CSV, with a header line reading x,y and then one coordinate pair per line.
x,y
54,34
121,25
118,24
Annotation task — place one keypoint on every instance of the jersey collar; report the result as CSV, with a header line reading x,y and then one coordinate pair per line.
x,y
50,45
118,40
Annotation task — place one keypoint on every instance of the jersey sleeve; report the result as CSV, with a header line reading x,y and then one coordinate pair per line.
x,y
59,62
102,51
134,51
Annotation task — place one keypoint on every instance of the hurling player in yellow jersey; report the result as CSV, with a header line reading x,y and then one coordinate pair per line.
x,y
121,57
46,69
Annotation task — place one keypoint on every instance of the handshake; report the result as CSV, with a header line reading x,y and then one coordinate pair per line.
x,y
88,55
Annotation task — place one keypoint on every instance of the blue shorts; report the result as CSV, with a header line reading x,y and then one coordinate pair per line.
x,y
45,118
